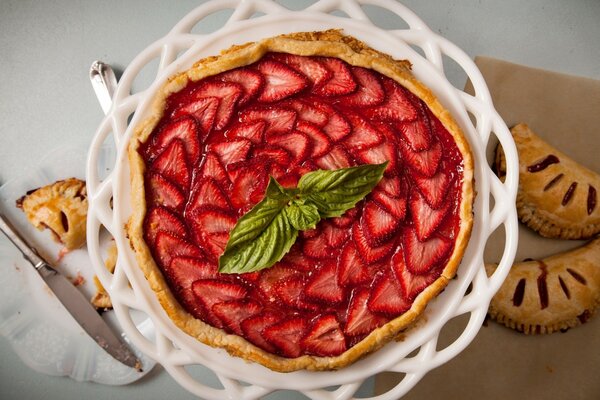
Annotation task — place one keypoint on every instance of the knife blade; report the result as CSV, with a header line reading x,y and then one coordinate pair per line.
x,y
73,300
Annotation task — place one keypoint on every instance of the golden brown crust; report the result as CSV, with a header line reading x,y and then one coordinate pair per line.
x,y
328,43
543,200
60,207
571,295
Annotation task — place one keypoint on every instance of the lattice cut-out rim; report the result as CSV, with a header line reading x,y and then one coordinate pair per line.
x,y
177,51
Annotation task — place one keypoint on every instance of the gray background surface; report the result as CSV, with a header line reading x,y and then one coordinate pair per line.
x,y
46,48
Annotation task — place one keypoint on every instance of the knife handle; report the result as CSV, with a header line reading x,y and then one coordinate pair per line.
x,y
28,252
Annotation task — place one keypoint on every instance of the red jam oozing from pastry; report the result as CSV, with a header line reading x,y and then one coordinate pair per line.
x,y
208,161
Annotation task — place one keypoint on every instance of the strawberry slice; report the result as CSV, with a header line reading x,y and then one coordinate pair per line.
x,y
273,154
337,127
160,219
249,187
169,246
210,228
231,151
296,143
378,224
206,192
291,293
172,164
392,186
277,119
425,162
319,141
359,319
250,81
232,313
411,284
387,296
426,219
253,131
228,95
272,277
386,151
397,105
253,328
203,110
422,256
326,242
307,112
366,251
418,132
369,91
323,285
337,158
213,168
286,336
351,269
164,193
209,292
325,337
341,81
184,271
184,129
346,219
363,134
280,81
393,205
312,70
434,189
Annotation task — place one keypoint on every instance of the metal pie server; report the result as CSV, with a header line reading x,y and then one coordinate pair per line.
x,y
74,301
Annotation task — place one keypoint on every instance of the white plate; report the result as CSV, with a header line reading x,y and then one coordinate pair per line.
x,y
40,330
178,352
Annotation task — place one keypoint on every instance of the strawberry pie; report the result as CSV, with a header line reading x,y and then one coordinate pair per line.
x,y
281,108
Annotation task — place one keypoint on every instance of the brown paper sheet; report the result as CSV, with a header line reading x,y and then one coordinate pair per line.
x,y
501,363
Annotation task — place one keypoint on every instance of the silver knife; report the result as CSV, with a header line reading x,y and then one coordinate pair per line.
x,y
74,301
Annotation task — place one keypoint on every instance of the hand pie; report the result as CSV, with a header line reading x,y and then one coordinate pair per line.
x,y
557,197
555,293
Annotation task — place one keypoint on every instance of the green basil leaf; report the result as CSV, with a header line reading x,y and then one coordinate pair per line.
x,y
334,192
303,216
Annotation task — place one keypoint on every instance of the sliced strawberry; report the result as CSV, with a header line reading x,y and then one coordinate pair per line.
x,y
394,205
228,95
411,284
418,132
421,257
286,336
337,158
426,219
160,219
378,224
335,236
232,313
253,131
369,91
253,328
363,134
392,186
435,188
387,296
351,268
368,252
326,242
250,81
319,141
249,187
312,70
341,81
307,112
169,246
291,293
211,228
164,193
203,110
207,192
184,271
359,319
213,168
209,292
231,151
337,127
425,162
386,151
325,337
397,105
346,219
172,164
280,81
272,277
296,143
297,260
184,129
323,285
287,180
274,154
277,119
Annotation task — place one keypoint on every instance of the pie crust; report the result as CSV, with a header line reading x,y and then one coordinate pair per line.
x,y
557,197
552,294
330,43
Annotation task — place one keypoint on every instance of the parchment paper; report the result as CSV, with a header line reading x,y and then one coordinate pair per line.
x,y
501,363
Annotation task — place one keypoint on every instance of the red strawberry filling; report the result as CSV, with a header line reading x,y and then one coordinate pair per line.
x,y
208,162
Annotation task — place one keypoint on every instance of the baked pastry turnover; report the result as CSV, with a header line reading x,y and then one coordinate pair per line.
x,y
557,197
283,107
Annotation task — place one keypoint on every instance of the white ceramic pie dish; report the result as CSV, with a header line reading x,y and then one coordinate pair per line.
x,y
177,351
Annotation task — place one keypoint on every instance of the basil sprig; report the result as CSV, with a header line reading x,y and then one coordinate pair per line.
x,y
266,233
